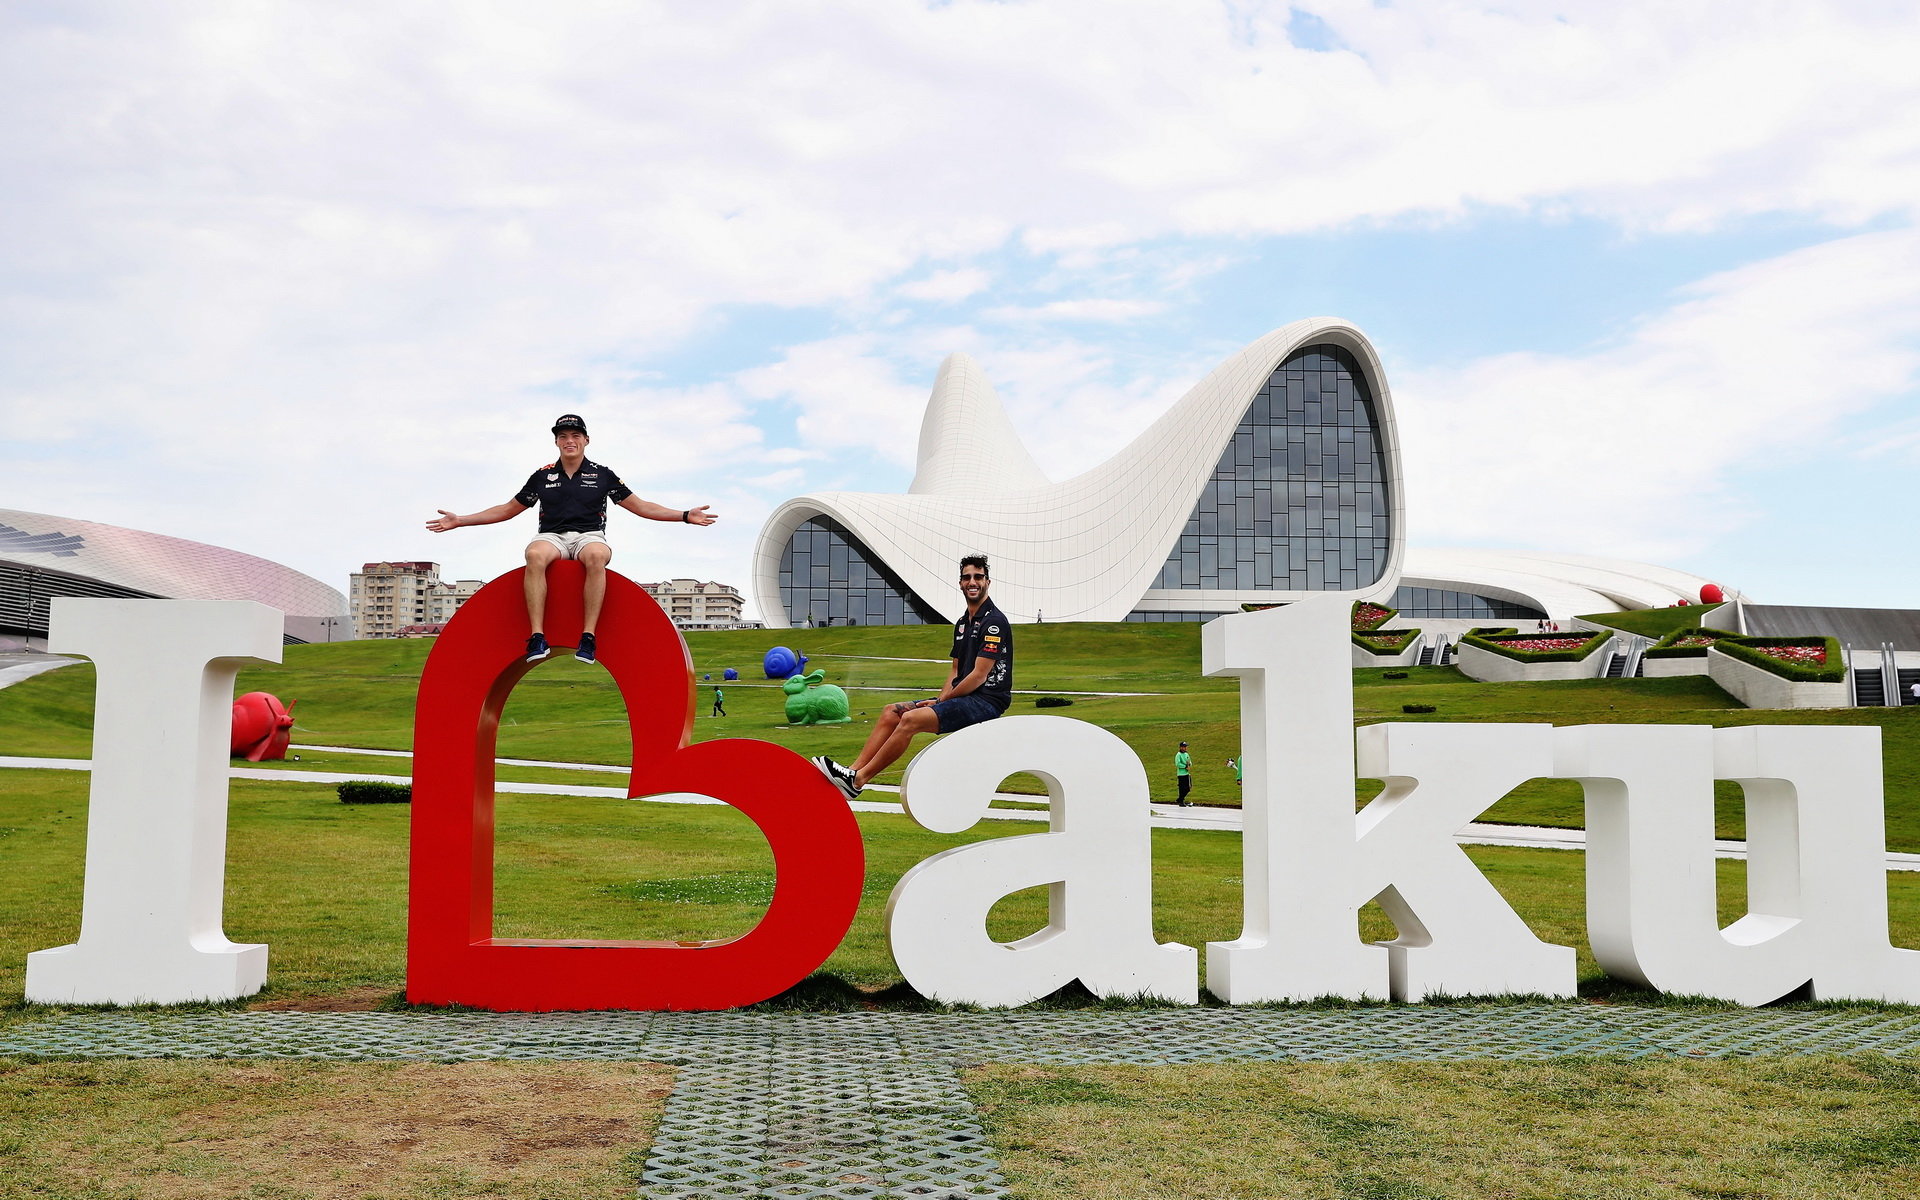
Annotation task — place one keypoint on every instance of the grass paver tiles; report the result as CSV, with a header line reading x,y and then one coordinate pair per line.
x,y
874,1103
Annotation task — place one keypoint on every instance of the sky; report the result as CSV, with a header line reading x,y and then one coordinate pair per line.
x,y
291,277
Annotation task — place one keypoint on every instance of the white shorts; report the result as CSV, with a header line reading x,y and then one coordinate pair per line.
x,y
569,543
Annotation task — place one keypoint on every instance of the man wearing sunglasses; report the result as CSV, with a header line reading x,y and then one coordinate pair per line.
x,y
979,687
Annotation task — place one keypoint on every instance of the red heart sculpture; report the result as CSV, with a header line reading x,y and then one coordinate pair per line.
x,y
452,955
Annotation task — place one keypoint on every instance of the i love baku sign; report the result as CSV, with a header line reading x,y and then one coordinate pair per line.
x,y
151,929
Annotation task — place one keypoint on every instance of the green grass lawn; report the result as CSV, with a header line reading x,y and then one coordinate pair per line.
x,y
1655,623
1805,1128
361,694
325,883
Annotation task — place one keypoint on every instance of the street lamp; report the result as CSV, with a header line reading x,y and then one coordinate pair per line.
x,y
33,577
329,622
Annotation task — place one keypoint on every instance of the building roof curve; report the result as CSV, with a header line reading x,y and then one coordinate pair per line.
x,y
135,562
1086,548
1560,585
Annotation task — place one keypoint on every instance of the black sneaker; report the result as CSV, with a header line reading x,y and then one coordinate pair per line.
x,y
537,647
826,765
846,781
585,652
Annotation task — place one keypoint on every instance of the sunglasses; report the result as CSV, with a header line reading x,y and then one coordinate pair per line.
x,y
965,578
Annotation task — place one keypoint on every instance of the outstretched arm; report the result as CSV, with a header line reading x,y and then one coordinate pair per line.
x,y
660,512
486,516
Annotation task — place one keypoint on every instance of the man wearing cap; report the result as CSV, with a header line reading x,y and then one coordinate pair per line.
x,y
1183,771
572,495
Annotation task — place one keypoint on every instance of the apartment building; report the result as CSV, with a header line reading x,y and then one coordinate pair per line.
x,y
392,599
692,604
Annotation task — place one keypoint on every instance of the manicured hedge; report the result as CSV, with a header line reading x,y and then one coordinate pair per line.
x,y
1386,641
1367,615
1666,647
1747,650
1498,645
364,791
1052,702
1494,630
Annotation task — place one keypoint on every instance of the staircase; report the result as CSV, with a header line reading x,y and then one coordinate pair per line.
x,y
1908,677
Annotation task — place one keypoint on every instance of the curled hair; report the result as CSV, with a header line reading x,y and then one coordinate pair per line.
x,y
976,560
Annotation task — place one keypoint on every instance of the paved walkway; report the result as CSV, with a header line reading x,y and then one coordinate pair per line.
x,y
871,1104
16,665
1164,816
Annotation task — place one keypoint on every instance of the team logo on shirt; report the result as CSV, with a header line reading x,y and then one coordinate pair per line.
x,y
553,476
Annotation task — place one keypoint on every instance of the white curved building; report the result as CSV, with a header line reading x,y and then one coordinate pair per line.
x,y
43,556
1275,478
1525,585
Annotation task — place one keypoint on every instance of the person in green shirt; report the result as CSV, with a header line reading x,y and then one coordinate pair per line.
x,y
719,703
1235,764
1183,771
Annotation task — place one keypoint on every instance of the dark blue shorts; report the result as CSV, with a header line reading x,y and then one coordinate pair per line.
x,y
962,711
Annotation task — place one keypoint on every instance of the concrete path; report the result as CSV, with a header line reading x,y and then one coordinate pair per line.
x,y
16,665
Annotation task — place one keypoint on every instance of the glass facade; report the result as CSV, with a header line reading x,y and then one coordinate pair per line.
x,y
1151,617
1440,602
827,577
1298,500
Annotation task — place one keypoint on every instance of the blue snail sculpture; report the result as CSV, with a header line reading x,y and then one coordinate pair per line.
x,y
781,662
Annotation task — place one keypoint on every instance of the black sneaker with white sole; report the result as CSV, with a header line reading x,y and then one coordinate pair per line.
x,y
846,781
586,651
537,647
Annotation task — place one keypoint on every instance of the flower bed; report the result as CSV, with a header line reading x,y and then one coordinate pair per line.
x,y
1386,641
1368,616
1687,643
1534,648
1800,659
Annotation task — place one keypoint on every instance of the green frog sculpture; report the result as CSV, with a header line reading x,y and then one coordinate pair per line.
x,y
818,704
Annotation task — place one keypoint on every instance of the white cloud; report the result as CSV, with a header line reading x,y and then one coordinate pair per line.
x,y
946,285
301,273
1077,310
847,396
1627,449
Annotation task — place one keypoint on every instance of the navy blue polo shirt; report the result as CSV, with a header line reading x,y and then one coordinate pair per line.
x,y
987,634
575,503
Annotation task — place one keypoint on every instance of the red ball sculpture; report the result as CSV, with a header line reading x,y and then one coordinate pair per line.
x,y
262,727
1711,594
